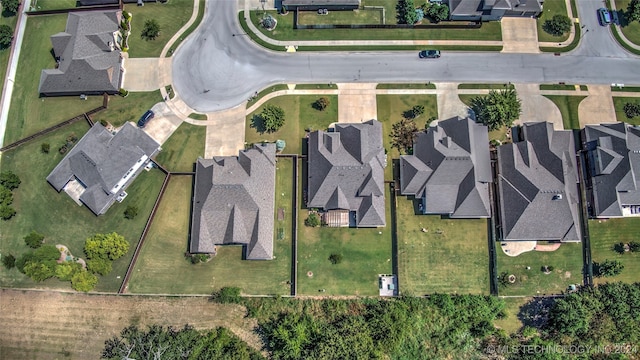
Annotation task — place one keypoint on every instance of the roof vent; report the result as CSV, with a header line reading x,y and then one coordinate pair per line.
x,y
557,197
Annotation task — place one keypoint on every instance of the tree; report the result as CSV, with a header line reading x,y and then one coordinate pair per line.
x,y
151,30
99,266
406,11
438,12
45,147
226,295
7,212
83,281
6,36
106,246
633,11
9,180
66,270
414,112
313,220
499,108
9,261
321,103
402,134
607,268
6,196
631,110
558,25
39,271
272,118
335,258
34,240
634,246
10,5
131,212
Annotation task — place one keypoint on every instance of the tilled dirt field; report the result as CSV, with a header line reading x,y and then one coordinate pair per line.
x,y
55,325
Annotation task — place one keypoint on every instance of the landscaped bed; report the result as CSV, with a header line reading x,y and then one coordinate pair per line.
x,y
604,235
437,255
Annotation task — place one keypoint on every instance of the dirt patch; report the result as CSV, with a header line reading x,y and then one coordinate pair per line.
x,y
280,214
53,325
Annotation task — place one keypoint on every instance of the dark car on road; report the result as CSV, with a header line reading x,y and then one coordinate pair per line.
x,y
145,118
604,17
429,54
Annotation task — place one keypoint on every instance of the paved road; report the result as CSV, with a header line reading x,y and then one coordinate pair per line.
x,y
219,67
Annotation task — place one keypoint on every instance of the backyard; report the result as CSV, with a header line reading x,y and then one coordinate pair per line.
x,y
163,268
531,280
299,116
182,149
39,207
604,234
52,4
451,256
618,104
366,253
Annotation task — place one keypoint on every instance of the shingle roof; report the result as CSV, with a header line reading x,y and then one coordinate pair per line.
x,y
476,7
465,7
101,160
234,200
346,171
87,63
538,185
450,169
613,156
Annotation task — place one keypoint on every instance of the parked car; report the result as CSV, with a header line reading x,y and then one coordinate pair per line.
x,y
604,16
145,118
429,54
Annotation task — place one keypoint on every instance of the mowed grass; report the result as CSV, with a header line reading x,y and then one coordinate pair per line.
x,y
299,116
631,30
53,4
604,234
162,267
618,104
451,257
285,31
28,112
511,323
367,16
190,29
171,16
551,8
366,253
390,110
39,207
130,108
5,52
183,148
566,261
568,106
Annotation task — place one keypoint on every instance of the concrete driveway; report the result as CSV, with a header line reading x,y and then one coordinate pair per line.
x,y
163,124
449,103
146,74
519,35
536,108
225,132
357,102
597,107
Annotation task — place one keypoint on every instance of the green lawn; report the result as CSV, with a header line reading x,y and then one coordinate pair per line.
x,y
511,323
4,53
406,86
162,267
451,257
604,234
197,116
183,148
558,87
366,253
568,106
53,4
39,207
551,8
285,31
299,115
171,16
316,86
191,28
130,108
389,8
630,30
390,109
485,86
369,16
625,88
618,104
28,112
266,91
567,263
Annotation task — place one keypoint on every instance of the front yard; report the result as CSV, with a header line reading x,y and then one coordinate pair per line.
x,y
551,8
618,104
568,106
451,256
631,30
604,234
182,149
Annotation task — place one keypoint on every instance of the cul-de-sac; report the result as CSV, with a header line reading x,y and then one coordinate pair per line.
x,y
320,179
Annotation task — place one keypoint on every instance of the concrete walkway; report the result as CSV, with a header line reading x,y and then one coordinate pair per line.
x,y
357,102
537,108
598,107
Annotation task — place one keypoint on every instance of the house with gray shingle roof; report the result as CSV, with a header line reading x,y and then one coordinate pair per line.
x,y
450,169
486,10
346,172
538,185
102,164
234,201
612,153
87,54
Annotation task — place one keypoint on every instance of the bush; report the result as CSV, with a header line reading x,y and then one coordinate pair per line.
x,y
6,36
10,6
34,240
9,261
634,246
7,212
607,268
438,12
414,112
6,196
39,271
631,110
313,220
45,147
9,180
335,258
99,266
558,25
123,92
66,270
271,118
227,295
198,258
83,281
406,11
321,104
131,212
151,30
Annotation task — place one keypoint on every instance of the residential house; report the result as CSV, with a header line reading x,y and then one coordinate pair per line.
x,y
612,153
346,174
102,164
233,202
487,10
450,169
88,56
538,194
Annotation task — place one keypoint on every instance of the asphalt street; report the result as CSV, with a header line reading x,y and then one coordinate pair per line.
x,y
219,67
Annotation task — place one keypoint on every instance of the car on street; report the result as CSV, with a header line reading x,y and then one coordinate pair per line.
x,y
144,119
604,16
429,54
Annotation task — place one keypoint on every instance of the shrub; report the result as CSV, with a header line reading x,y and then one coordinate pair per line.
x,y
151,30
123,92
99,266
619,248
45,147
335,258
634,246
9,180
227,295
7,212
313,220
34,239
631,110
104,122
9,261
607,268
10,6
39,271
438,12
6,196
557,25
198,258
6,36
83,281
66,270
321,104
131,212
